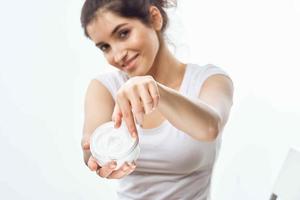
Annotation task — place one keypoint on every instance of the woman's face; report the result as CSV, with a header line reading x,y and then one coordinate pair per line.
x,y
127,44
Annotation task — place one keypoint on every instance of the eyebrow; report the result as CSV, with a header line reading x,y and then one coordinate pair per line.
x,y
112,33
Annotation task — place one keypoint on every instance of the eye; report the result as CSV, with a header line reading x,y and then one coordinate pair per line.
x,y
104,47
124,33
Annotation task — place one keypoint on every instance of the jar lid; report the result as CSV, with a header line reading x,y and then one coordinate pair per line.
x,y
108,142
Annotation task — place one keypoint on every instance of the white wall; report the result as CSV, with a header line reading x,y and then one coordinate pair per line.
x,y
46,64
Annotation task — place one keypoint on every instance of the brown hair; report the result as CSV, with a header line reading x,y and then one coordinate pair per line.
x,y
125,8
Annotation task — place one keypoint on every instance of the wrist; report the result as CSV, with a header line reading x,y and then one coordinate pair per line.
x,y
163,94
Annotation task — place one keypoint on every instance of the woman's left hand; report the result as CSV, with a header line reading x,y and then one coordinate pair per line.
x,y
138,96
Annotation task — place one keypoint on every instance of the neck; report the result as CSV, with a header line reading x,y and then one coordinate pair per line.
x,y
166,68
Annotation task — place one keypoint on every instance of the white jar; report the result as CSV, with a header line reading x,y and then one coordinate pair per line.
x,y
109,143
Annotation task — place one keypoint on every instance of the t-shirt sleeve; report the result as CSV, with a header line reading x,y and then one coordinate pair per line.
x,y
204,73
112,81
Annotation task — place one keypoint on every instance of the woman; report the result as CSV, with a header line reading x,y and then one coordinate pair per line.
x,y
182,108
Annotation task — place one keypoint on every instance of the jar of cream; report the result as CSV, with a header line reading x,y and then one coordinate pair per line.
x,y
109,143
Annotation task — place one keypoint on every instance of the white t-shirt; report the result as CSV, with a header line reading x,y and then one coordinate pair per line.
x,y
172,165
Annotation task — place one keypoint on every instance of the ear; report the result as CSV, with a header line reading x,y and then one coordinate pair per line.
x,y
156,18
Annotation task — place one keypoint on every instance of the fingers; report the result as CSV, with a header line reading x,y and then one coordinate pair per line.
x,y
85,145
137,97
85,142
139,117
127,114
146,99
125,170
117,116
107,169
92,164
150,96
153,90
137,107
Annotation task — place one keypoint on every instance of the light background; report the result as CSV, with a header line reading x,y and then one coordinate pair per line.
x,y
46,64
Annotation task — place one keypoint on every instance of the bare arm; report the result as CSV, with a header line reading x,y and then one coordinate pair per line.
x,y
202,118
98,109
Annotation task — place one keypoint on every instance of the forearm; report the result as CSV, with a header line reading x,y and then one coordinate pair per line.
x,y
193,117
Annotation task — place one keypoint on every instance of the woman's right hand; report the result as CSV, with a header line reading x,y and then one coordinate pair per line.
x,y
108,170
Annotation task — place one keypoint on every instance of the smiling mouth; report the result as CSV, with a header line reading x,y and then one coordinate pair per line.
x,y
130,64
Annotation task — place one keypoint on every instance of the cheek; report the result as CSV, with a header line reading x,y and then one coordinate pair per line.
x,y
152,45
145,40
110,60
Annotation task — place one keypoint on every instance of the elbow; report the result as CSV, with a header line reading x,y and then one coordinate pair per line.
x,y
212,133
213,128
216,127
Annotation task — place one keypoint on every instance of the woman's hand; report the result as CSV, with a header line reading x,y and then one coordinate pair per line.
x,y
138,96
108,170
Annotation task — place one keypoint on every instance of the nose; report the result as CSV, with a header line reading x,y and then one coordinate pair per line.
x,y
120,57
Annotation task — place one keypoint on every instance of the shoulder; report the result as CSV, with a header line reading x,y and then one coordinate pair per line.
x,y
217,86
101,86
216,77
207,70
96,90
98,106
201,75
217,91
115,75
112,80
219,83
